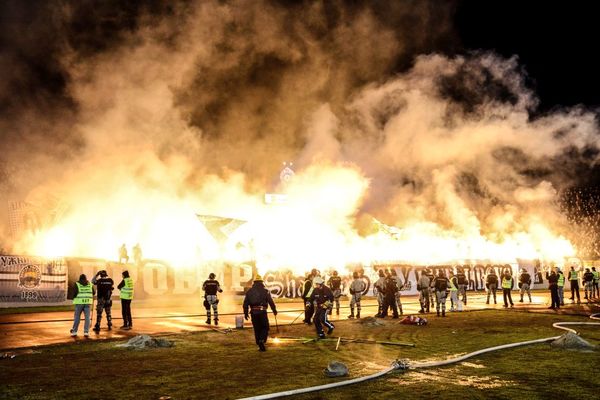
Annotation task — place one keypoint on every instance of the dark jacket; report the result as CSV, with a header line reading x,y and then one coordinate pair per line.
x,y
321,295
552,279
588,277
491,279
105,287
211,287
257,299
335,282
525,278
441,283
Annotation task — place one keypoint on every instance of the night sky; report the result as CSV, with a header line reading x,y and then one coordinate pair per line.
x,y
556,42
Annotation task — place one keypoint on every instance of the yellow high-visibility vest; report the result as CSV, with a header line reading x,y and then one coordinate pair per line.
x,y
127,290
85,295
507,283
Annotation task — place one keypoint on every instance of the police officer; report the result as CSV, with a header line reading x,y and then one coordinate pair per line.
x,y
256,301
335,283
574,280
462,283
399,285
561,286
105,287
211,287
507,285
588,284
491,283
525,284
126,288
83,297
431,276
322,298
440,285
424,286
357,287
389,298
453,288
379,288
307,289
596,290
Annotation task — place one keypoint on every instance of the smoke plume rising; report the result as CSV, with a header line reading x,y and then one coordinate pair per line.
x,y
192,108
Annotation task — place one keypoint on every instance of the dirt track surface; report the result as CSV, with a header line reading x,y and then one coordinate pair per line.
x,y
37,329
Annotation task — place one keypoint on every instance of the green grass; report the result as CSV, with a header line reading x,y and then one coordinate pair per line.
x,y
215,365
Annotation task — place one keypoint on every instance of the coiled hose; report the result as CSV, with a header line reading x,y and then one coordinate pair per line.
x,y
402,365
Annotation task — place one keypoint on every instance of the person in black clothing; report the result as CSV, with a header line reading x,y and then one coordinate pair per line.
x,y
389,298
322,297
491,284
105,287
553,286
335,283
255,305
462,285
307,289
211,287
525,284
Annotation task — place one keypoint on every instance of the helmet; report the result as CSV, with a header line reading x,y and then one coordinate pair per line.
x,y
318,280
394,273
211,276
335,273
381,273
258,278
355,275
103,273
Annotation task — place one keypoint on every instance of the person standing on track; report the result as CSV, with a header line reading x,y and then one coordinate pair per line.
x,y
335,283
83,297
126,288
322,298
256,303
211,287
424,286
491,284
525,284
105,287
357,287
507,285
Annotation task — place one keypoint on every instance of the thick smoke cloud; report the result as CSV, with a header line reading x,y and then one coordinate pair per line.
x,y
199,103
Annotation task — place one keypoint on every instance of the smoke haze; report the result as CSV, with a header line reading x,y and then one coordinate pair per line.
x,y
113,113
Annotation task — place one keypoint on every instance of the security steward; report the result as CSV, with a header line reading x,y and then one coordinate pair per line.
x,y
322,297
335,284
596,290
257,299
105,287
211,287
574,281
126,288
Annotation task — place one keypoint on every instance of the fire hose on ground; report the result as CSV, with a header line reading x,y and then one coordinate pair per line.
x,y
402,365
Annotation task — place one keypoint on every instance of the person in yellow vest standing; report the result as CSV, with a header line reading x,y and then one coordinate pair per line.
x,y
507,285
126,288
574,281
82,299
596,290
561,286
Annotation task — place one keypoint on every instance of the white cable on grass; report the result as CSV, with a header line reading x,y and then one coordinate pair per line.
x,y
396,365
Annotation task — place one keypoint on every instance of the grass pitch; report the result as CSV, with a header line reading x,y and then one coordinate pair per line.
x,y
228,366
